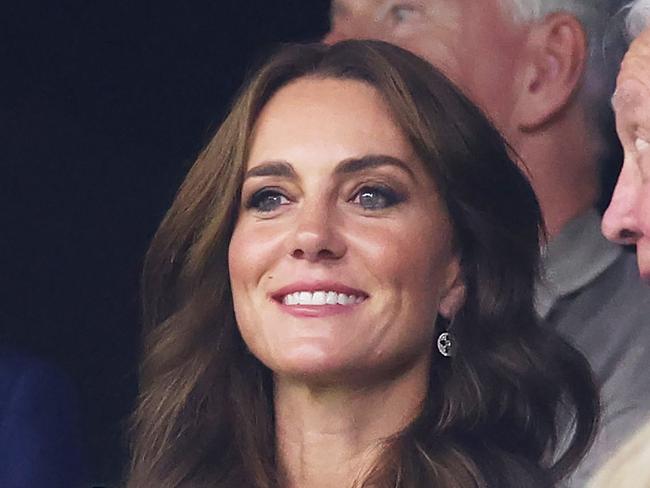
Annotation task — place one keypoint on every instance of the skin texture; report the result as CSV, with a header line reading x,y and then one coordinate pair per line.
x,y
474,42
627,219
523,75
343,381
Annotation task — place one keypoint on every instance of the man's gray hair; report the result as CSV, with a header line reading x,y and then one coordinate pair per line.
x,y
585,10
594,16
638,18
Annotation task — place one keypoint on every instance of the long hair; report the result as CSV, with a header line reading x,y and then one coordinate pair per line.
x,y
492,413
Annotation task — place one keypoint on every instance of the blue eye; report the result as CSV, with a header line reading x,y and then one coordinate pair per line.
x,y
267,200
376,198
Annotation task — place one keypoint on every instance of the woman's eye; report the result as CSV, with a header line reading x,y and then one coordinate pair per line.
x,y
267,200
374,198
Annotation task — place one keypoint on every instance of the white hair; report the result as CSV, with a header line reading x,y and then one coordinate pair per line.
x,y
638,18
527,10
594,16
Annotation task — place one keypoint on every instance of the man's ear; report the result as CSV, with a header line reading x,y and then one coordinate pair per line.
x,y
454,296
552,72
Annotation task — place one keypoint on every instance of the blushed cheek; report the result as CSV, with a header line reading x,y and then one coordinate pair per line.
x,y
251,252
234,261
254,252
242,270
420,266
241,276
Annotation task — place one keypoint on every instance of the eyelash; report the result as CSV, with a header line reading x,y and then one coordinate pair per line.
x,y
390,197
256,200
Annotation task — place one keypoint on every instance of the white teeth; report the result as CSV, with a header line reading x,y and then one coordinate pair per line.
x,y
344,299
641,144
290,300
332,298
320,298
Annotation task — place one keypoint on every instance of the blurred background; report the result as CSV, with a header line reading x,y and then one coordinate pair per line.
x,y
103,107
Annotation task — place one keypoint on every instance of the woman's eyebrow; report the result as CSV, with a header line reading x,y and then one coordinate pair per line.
x,y
271,168
284,169
353,165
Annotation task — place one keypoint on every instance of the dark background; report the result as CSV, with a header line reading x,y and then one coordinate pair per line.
x,y
103,107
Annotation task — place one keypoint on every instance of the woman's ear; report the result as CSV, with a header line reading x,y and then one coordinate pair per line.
x,y
552,71
454,296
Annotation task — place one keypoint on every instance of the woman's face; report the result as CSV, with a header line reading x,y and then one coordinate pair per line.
x,y
627,219
341,256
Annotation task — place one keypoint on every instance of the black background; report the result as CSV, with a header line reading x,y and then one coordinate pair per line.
x,y
104,106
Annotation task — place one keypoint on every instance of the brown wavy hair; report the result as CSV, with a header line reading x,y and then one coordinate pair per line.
x,y
493,413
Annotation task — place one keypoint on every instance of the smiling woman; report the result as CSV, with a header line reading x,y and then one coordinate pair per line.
x,y
341,295
337,221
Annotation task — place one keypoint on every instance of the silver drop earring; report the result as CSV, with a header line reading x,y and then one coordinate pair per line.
x,y
446,344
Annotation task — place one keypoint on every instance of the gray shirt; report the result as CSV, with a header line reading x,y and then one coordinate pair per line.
x,y
593,295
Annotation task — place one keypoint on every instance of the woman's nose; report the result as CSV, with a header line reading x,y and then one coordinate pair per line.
x,y
317,236
621,219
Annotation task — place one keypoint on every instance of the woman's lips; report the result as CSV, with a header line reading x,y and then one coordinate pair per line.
x,y
317,310
318,299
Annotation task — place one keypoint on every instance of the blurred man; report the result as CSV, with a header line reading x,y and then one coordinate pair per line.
x,y
527,63
627,220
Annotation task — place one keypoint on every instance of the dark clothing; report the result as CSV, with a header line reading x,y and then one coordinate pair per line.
x,y
40,440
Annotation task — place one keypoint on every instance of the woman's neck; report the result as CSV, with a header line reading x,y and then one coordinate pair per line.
x,y
330,436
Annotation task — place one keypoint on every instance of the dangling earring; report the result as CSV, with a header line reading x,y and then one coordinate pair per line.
x,y
446,344
446,340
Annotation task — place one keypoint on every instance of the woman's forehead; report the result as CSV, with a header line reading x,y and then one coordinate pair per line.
x,y
327,119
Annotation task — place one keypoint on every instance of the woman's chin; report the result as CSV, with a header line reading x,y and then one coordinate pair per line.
x,y
313,363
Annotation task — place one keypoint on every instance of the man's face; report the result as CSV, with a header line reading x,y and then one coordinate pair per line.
x,y
627,219
473,42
